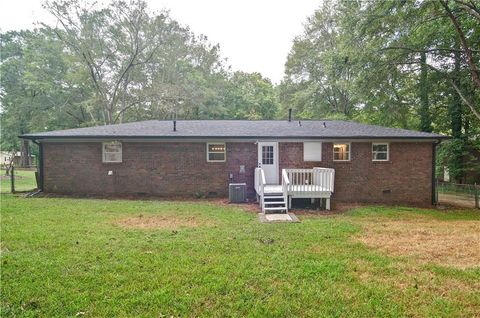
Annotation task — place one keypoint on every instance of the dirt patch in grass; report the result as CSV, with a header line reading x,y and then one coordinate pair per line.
x,y
456,200
450,243
165,222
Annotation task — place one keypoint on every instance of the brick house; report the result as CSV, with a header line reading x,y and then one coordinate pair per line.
x,y
335,160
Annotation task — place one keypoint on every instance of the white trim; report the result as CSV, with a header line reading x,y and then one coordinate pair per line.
x,y
388,151
104,153
306,156
276,158
224,151
349,151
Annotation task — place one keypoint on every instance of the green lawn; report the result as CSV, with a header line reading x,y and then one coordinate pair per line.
x,y
24,181
103,258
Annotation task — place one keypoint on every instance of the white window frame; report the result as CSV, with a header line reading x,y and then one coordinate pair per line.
x,y
305,157
104,153
388,151
224,151
349,151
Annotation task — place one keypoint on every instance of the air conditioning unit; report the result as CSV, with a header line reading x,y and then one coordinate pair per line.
x,y
237,192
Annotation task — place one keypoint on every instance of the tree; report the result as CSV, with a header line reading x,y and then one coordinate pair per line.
x,y
110,42
320,69
250,96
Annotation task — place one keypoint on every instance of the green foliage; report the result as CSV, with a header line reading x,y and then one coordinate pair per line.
x,y
117,63
320,69
250,96
460,156
390,63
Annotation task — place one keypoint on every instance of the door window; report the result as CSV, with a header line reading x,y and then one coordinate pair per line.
x,y
267,155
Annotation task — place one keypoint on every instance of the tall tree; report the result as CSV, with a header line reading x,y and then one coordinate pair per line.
x,y
250,96
320,69
425,118
111,42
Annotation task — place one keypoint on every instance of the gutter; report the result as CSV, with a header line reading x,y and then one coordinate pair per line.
x,y
434,161
40,164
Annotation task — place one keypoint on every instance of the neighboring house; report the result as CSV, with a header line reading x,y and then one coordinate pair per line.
x,y
363,163
6,156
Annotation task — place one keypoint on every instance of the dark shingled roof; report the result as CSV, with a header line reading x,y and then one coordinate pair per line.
x,y
327,129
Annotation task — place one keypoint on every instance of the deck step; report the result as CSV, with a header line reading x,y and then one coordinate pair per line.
x,y
276,197
276,209
274,202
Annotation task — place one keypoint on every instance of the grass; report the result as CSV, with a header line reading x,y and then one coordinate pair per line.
x,y
101,258
24,181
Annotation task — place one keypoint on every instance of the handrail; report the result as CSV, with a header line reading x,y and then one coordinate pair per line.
x,y
262,173
260,180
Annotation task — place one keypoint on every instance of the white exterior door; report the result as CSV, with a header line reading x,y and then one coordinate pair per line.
x,y
268,160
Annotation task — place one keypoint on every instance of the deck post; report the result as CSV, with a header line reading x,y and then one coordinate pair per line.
x,y
328,204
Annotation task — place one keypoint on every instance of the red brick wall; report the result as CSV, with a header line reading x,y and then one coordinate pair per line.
x,y
405,179
164,169
181,169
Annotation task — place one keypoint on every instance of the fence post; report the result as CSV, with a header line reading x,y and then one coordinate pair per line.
x,y
12,179
475,189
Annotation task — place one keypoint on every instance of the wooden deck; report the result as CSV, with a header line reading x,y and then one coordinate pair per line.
x,y
277,188
296,183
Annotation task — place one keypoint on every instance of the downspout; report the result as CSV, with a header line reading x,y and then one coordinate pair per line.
x,y
434,183
40,163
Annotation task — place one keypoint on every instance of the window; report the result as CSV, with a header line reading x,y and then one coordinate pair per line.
x,y
312,151
341,152
112,151
216,152
267,155
380,151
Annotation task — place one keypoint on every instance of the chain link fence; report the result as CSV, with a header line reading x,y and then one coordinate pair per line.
x,y
463,195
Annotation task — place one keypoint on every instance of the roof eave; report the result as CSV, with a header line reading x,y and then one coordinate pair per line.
x,y
40,137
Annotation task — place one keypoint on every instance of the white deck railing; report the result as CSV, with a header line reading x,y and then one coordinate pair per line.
x,y
260,180
309,180
308,183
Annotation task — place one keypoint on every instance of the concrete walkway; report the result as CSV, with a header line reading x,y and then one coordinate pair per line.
x,y
277,217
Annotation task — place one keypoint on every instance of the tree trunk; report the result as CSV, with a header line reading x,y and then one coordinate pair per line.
x,y
455,112
25,155
425,118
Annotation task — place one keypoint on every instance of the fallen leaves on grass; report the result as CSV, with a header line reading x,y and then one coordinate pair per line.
x,y
450,243
164,222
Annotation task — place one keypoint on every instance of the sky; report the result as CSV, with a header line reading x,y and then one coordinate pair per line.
x,y
254,35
